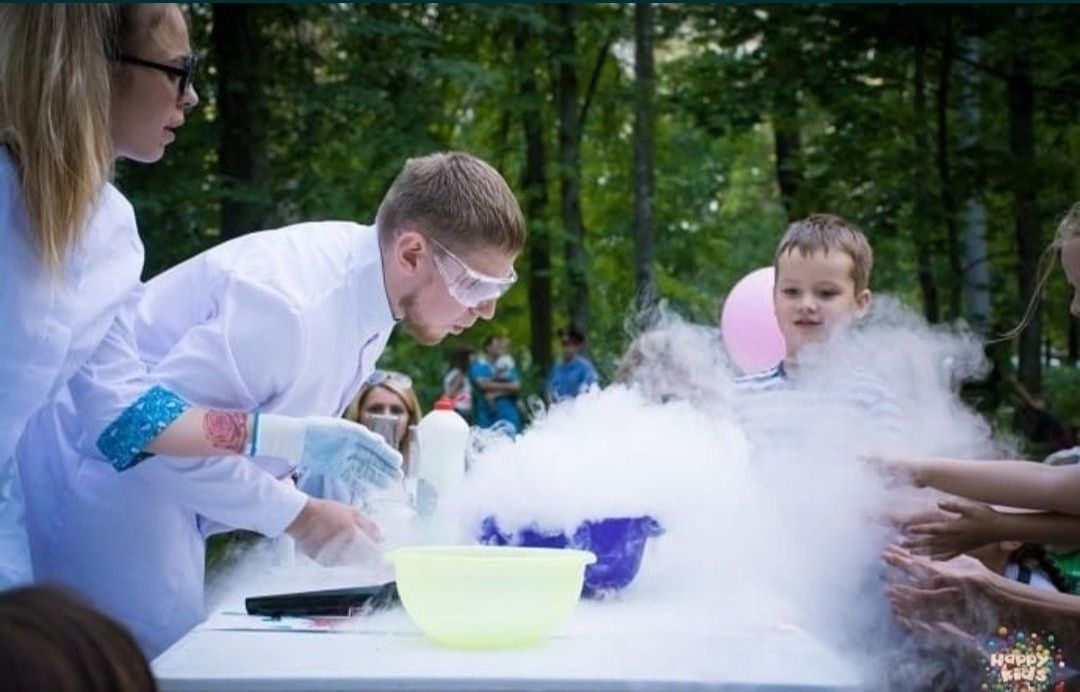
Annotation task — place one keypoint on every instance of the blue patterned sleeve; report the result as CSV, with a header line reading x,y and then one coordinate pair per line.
x,y
124,440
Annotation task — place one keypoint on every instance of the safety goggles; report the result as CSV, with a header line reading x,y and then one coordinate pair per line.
x,y
466,285
186,73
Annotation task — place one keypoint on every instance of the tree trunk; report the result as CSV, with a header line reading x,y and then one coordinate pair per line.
x,y
1021,105
566,95
534,193
643,160
924,255
948,199
787,143
241,116
976,261
783,73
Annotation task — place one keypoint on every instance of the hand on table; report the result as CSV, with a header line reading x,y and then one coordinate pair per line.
x,y
333,533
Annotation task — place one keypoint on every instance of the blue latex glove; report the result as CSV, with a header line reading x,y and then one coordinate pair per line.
x,y
333,447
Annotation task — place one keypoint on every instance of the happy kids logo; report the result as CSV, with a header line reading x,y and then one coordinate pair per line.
x,y
1016,660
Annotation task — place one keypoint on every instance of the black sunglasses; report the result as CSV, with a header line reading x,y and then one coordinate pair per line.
x,y
185,73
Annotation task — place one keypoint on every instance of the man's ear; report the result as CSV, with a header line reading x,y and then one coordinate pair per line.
x,y
407,251
862,303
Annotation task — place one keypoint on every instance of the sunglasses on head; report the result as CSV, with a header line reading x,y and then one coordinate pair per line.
x,y
185,74
388,378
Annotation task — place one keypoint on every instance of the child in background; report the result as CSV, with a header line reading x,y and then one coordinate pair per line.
x,y
456,385
823,265
1026,563
497,407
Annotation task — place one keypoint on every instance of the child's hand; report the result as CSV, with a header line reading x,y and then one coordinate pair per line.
x,y
956,591
897,470
966,526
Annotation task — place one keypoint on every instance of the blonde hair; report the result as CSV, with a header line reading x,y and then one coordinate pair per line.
x,y
54,111
1068,229
457,199
407,395
825,232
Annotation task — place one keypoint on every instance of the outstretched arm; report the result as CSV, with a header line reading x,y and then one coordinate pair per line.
x,y
1023,484
964,526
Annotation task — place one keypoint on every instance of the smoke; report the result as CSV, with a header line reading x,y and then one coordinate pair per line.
x,y
773,517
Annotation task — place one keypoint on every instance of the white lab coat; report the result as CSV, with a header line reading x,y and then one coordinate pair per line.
x,y
288,321
57,329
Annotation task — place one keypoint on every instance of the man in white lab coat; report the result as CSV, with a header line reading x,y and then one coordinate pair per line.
x,y
290,321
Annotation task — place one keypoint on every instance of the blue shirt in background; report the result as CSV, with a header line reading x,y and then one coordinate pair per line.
x,y
569,378
504,408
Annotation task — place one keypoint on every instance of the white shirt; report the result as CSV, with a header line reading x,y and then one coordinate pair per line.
x,y
51,327
289,321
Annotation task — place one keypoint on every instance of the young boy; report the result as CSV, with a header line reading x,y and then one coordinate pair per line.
x,y
822,266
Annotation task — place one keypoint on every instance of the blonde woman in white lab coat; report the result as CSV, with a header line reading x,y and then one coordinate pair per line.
x,y
81,86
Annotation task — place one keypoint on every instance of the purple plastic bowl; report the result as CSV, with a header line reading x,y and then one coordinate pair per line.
x,y
618,543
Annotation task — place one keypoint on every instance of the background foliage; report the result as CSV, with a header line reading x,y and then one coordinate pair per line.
x,y
949,133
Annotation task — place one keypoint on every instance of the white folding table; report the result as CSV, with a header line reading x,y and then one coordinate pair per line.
x,y
388,653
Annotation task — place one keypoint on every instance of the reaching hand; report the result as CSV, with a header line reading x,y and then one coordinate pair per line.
x,y
897,470
330,446
965,526
955,591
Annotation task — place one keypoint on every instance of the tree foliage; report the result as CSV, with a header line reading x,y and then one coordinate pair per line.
x,y
896,116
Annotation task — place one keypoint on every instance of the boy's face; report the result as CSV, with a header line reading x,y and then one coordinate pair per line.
x,y
815,294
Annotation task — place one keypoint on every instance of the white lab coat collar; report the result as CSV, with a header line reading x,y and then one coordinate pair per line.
x,y
374,300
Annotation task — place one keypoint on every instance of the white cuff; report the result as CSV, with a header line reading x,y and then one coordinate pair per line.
x,y
281,437
280,509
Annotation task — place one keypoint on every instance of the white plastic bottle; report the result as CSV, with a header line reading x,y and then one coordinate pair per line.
x,y
443,436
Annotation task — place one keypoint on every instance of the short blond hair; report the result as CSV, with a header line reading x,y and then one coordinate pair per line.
x,y
457,199
829,232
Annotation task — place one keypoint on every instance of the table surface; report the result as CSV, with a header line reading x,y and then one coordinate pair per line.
x,y
635,645
390,654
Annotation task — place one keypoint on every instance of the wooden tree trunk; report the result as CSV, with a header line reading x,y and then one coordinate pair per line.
x,y
643,159
567,99
534,192
240,55
924,255
948,198
1021,106
787,144
783,73
976,250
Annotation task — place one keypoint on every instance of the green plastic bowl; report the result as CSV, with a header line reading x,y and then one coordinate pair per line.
x,y
489,597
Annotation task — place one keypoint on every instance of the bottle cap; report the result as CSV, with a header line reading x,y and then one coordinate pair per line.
x,y
444,403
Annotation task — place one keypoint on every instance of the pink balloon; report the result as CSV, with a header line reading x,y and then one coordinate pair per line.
x,y
748,323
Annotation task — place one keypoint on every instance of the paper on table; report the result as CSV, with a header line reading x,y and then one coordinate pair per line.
x,y
240,621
